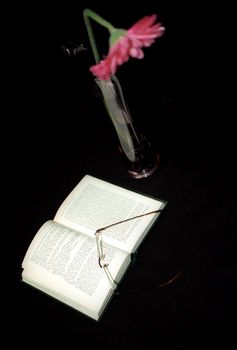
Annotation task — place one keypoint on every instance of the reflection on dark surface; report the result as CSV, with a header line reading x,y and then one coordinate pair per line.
x,y
58,131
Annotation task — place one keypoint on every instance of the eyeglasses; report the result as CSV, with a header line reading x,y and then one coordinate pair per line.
x,y
100,250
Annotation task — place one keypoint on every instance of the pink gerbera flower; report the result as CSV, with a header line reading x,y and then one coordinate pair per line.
x,y
142,34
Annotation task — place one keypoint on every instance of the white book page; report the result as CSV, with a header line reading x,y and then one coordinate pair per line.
x,y
95,203
64,264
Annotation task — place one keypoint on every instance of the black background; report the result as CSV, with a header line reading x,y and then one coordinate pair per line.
x,y
55,130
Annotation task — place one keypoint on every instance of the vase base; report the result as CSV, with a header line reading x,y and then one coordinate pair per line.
x,y
146,171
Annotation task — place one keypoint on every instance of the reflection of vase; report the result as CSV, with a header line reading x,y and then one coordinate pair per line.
x,y
140,158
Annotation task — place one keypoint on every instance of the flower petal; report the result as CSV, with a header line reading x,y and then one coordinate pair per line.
x,y
143,23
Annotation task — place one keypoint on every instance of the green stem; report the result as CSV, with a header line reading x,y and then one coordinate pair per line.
x,y
89,13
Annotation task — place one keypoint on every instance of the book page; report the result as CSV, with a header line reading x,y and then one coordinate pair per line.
x,y
64,264
95,203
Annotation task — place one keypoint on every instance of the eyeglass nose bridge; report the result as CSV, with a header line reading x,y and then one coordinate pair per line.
x,y
102,263
101,255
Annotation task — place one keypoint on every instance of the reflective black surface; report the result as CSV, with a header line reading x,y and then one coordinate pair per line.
x,y
57,131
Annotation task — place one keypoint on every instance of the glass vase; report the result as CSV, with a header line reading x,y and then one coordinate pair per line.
x,y
139,156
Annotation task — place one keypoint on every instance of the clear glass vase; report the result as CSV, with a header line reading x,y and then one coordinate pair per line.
x,y
140,158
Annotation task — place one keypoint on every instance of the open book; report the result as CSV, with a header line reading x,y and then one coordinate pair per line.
x,y
73,262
